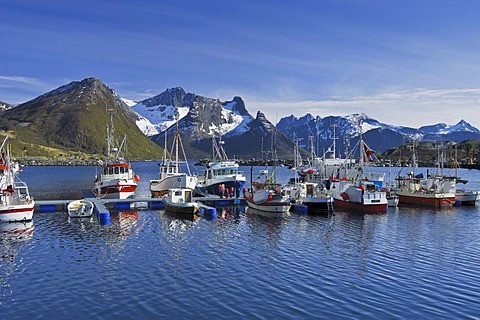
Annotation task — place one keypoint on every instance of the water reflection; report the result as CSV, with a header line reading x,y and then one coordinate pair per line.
x,y
13,237
250,211
172,222
230,213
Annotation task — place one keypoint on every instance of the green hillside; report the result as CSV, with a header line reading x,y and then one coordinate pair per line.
x,y
72,120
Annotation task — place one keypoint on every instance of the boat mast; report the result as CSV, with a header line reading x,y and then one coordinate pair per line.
x,y
4,141
362,148
312,150
176,140
110,133
334,138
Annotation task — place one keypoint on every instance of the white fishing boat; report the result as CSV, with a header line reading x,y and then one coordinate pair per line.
x,y
312,195
354,188
268,197
116,179
179,200
306,188
221,175
170,176
15,201
466,197
80,208
266,192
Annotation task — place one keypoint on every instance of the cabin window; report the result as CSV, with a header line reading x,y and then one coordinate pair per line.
x,y
110,170
117,170
105,171
178,192
122,169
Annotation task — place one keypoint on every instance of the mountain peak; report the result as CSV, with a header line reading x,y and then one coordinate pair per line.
x,y
236,105
88,83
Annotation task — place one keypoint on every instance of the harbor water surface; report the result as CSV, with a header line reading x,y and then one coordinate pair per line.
x,y
408,263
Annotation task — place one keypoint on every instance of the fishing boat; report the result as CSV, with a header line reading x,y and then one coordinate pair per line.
x,y
221,175
170,176
267,197
116,180
466,197
266,194
434,190
306,189
15,201
179,200
356,189
80,208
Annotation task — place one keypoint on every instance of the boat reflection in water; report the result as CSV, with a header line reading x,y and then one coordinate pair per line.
x,y
172,215
173,223
279,214
16,231
13,237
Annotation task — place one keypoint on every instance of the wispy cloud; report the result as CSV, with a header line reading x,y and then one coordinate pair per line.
x,y
19,89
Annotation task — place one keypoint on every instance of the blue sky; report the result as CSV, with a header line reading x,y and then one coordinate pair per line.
x,y
409,63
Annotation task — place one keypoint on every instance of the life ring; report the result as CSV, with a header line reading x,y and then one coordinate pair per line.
x,y
180,200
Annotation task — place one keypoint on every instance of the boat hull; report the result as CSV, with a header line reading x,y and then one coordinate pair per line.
x,y
466,198
392,201
159,188
426,200
373,208
318,204
17,213
115,191
185,208
273,206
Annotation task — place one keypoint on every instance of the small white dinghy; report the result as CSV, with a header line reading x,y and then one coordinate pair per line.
x,y
80,208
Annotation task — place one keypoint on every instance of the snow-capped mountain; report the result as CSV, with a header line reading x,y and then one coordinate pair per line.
x,y
445,129
200,119
378,135
217,118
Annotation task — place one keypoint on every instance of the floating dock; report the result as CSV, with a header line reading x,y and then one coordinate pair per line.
x,y
207,204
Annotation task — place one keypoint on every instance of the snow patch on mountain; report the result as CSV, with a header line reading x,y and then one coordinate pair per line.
x,y
129,102
157,118
460,126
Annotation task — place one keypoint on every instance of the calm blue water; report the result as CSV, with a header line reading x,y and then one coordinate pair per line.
x,y
409,263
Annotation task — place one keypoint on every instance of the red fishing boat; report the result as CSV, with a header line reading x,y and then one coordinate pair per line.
x,y
116,179
15,201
